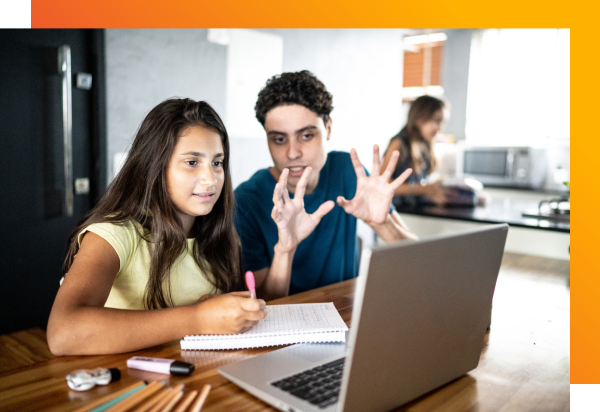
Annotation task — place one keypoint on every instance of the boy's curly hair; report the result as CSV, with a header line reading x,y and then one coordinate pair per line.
x,y
301,88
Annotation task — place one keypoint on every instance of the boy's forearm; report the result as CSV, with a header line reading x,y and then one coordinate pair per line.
x,y
393,229
277,281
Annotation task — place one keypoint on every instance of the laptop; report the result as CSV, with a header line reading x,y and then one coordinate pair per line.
x,y
421,310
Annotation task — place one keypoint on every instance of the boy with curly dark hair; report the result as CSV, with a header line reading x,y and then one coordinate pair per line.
x,y
292,236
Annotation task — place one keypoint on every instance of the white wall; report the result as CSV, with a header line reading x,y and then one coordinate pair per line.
x,y
362,68
252,57
146,66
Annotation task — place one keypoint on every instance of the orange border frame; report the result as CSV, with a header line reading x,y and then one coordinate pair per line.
x,y
384,14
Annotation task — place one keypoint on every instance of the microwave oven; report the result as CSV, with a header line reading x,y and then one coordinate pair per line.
x,y
523,167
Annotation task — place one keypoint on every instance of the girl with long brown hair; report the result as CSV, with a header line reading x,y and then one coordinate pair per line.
x,y
158,258
415,144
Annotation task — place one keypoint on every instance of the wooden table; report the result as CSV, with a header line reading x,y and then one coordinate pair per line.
x,y
524,364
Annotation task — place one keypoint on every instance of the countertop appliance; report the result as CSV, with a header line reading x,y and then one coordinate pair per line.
x,y
523,167
557,210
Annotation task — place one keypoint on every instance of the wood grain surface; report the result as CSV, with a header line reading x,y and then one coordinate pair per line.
x,y
524,365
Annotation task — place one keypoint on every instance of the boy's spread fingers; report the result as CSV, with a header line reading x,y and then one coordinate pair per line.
x,y
277,195
376,162
400,179
358,168
389,170
283,176
301,188
285,194
341,201
324,209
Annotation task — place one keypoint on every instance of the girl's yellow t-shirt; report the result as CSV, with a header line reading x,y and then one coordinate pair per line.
x,y
188,283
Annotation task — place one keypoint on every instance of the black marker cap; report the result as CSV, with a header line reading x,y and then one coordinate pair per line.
x,y
115,374
181,368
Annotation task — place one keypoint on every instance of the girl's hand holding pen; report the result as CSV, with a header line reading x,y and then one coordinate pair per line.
x,y
230,313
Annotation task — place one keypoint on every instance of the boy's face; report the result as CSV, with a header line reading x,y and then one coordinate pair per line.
x,y
296,137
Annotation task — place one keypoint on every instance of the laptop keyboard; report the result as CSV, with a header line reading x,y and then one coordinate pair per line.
x,y
319,386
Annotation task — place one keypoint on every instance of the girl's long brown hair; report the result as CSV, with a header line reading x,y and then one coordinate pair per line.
x,y
422,109
139,194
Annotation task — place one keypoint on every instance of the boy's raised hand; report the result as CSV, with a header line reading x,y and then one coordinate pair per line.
x,y
293,223
374,193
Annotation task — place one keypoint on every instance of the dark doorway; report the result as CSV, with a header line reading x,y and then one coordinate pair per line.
x,y
42,197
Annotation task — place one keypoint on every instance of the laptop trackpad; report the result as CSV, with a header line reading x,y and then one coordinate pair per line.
x,y
315,352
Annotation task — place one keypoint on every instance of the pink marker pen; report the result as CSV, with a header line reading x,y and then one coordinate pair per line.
x,y
158,365
250,283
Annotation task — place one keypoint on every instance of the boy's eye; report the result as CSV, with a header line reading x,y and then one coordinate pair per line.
x,y
307,136
279,140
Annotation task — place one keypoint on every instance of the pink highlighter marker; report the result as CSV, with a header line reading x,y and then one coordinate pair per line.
x,y
250,283
159,365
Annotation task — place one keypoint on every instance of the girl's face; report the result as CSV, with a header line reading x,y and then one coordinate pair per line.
x,y
431,127
195,173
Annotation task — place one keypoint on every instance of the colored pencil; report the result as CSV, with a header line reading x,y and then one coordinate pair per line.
x,y
174,399
148,404
203,395
110,397
158,406
137,397
187,401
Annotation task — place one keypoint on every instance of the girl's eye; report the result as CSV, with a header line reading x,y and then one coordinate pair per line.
x,y
192,162
218,163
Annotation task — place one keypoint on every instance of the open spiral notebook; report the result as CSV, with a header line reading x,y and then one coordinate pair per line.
x,y
284,324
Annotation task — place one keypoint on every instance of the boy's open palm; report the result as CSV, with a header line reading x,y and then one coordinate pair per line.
x,y
374,193
293,223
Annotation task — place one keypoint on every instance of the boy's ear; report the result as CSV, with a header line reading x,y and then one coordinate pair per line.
x,y
328,127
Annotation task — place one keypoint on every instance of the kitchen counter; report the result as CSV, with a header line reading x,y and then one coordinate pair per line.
x,y
499,210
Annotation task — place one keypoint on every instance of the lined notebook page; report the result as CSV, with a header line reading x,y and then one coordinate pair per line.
x,y
284,324
304,316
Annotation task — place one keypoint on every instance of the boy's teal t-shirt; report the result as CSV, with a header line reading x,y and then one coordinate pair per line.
x,y
329,254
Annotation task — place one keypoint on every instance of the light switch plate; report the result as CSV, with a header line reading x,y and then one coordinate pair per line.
x,y
84,81
82,186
